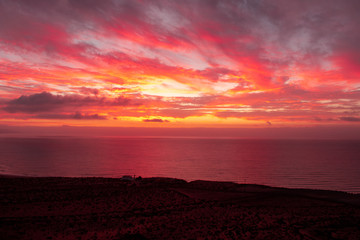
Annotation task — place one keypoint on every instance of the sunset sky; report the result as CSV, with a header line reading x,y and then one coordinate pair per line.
x,y
176,64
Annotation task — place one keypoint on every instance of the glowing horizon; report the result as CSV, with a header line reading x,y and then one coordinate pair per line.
x,y
179,64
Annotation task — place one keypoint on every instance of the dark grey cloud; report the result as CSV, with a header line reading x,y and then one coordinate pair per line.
x,y
350,119
318,119
76,116
214,74
155,120
47,102
86,90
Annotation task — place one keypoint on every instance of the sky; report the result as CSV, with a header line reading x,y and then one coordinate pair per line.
x,y
180,64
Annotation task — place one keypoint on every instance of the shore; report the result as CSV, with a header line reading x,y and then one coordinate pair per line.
x,y
165,208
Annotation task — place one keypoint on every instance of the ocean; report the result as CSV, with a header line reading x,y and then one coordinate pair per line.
x,y
316,164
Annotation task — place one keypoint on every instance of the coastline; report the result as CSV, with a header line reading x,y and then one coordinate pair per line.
x,y
167,208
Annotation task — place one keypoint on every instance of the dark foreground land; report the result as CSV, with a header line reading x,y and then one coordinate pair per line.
x,y
159,208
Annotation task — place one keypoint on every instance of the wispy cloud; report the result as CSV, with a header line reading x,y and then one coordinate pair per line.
x,y
266,61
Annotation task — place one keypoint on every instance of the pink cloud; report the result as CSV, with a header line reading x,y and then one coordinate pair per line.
x,y
283,59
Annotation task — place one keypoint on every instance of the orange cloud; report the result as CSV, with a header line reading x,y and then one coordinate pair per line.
x,y
220,62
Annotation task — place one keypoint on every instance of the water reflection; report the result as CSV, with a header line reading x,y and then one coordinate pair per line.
x,y
316,164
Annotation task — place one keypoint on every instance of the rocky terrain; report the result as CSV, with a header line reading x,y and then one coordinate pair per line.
x,y
165,208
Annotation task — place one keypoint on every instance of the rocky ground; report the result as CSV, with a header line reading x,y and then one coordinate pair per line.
x,y
161,208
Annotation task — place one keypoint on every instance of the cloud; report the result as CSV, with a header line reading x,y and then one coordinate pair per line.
x,y
259,35
86,90
286,58
155,120
40,102
76,116
325,119
350,119
4,130
48,102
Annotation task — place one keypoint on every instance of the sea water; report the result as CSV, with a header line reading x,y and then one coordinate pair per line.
x,y
317,164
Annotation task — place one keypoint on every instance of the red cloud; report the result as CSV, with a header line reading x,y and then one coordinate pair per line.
x,y
279,61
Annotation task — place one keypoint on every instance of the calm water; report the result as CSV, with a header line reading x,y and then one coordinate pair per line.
x,y
316,164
